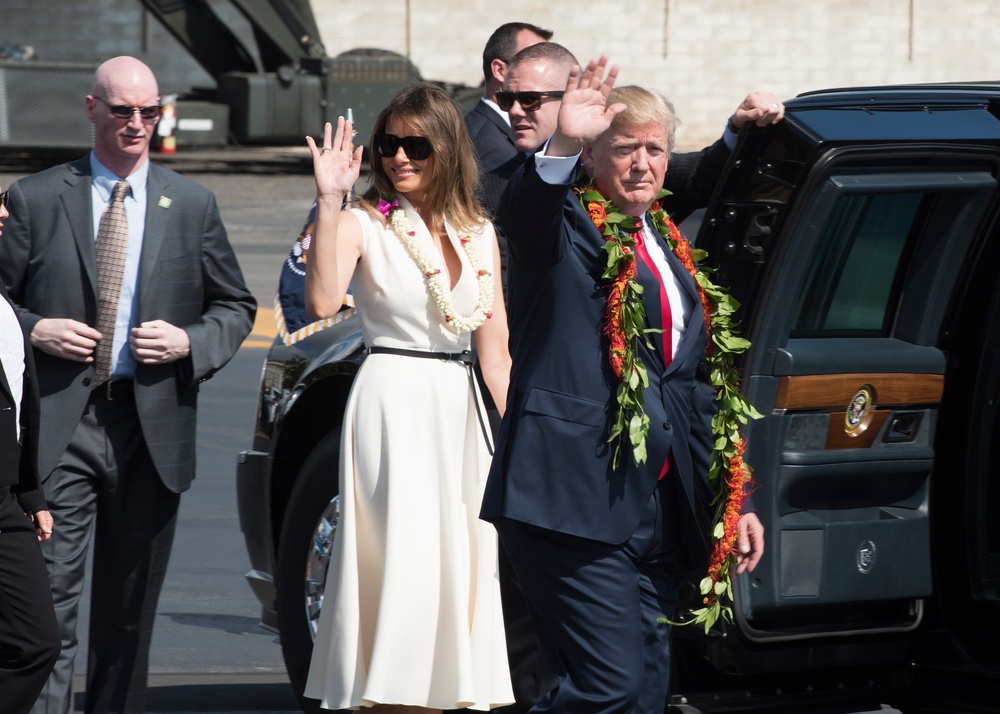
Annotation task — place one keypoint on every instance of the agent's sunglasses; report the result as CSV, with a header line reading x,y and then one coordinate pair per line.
x,y
3,199
124,111
417,148
529,101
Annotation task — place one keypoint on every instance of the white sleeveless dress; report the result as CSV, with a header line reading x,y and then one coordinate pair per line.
x,y
411,612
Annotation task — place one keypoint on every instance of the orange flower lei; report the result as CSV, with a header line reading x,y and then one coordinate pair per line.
x,y
728,475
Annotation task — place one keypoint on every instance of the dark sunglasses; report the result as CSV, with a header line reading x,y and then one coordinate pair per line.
x,y
124,111
3,199
529,101
417,148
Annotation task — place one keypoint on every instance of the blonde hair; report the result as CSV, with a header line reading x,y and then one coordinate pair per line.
x,y
433,114
644,106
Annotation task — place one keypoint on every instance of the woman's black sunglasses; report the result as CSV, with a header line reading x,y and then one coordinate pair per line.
x,y
3,199
529,101
417,148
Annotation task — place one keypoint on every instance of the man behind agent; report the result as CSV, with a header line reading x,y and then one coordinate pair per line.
x,y
115,240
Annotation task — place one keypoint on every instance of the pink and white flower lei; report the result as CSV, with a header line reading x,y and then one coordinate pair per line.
x,y
401,226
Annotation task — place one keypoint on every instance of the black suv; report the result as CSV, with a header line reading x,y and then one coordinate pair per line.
x,y
861,236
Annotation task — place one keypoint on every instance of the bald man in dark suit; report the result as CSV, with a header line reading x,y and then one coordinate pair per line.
x,y
117,441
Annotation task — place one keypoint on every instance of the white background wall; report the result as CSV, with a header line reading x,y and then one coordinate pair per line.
x,y
706,55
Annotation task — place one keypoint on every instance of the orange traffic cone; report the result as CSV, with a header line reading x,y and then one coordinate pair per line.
x,y
168,124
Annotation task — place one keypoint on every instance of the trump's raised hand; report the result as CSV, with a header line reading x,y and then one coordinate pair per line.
x,y
584,114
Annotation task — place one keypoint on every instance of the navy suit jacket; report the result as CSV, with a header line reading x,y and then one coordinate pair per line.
x,y
498,157
491,135
552,466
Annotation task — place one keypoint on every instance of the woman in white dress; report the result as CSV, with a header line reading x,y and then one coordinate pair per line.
x,y
411,615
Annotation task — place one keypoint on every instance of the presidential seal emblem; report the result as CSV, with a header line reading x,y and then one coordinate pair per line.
x,y
859,410
866,557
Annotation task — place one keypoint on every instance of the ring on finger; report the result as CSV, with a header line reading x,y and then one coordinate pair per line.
x,y
774,106
330,148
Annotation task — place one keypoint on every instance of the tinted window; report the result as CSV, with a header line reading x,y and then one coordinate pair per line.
x,y
850,284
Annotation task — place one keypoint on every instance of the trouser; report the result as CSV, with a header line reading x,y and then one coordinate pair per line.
x,y
105,484
599,609
530,675
29,635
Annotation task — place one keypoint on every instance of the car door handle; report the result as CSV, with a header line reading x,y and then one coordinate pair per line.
x,y
903,427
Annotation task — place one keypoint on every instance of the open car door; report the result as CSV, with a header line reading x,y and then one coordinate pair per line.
x,y
860,234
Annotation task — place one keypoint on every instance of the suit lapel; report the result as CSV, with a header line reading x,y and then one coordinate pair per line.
x,y
157,194
498,121
77,202
651,298
687,285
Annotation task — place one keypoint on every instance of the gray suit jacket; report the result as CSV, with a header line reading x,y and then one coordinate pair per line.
x,y
188,276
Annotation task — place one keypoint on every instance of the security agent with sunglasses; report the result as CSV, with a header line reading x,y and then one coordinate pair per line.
x,y
127,283
29,635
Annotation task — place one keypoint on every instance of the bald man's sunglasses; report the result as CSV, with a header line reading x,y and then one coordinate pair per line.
x,y
124,111
529,101
417,148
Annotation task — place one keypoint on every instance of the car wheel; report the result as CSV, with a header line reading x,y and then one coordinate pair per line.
x,y
307,532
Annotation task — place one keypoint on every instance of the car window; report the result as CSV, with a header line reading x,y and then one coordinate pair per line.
x,y
850,286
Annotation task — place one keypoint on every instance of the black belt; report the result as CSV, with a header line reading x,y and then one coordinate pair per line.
x,y
116,390
465,357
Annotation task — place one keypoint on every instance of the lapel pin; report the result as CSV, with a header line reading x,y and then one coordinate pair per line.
x,y
164,202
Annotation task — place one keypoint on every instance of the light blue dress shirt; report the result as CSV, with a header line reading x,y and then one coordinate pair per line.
x,y
124,363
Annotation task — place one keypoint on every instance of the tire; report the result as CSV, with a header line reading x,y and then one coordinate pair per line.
x,y
308,528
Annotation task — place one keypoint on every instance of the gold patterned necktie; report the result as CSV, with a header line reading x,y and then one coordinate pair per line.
x,y
112,245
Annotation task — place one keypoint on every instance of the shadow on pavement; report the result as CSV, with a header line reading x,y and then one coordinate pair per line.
x,y
215,693
233,624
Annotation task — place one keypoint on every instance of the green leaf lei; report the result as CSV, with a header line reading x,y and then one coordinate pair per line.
x,y
625,319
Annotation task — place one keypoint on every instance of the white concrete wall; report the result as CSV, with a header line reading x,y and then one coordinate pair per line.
x,y
706,55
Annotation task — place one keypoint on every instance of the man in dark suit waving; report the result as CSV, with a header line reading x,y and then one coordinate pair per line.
x,y
132,295
598,547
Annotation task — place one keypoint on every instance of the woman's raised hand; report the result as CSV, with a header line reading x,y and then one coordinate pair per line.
x,y
336,164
